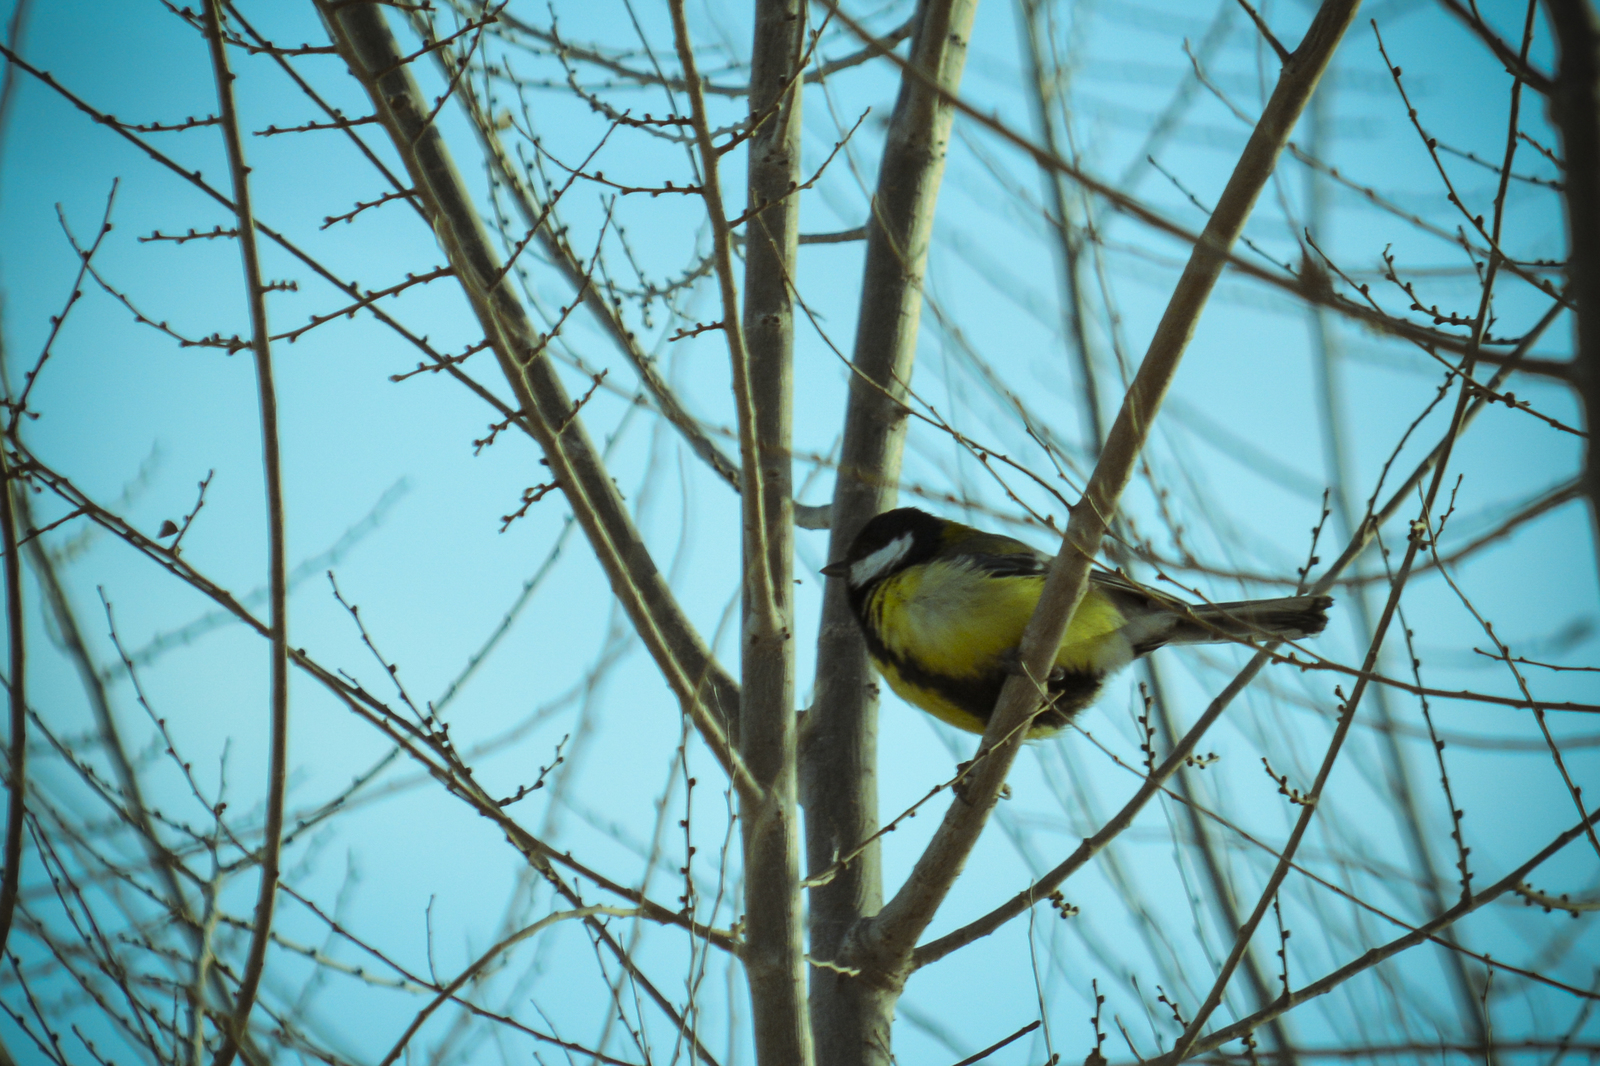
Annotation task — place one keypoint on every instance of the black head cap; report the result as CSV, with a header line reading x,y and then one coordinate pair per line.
x,y
886,545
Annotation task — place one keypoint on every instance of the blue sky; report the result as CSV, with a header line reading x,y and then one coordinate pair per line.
x,y
136,420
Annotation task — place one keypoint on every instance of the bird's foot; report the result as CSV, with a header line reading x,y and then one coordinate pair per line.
x,y
962,783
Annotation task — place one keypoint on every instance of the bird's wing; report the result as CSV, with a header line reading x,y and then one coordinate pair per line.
x,y
1119,586
997,556
1017,565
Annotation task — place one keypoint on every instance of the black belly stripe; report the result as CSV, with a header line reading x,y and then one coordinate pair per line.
x,y
978,694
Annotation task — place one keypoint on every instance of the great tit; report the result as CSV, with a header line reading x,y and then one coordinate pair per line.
x,y
943,605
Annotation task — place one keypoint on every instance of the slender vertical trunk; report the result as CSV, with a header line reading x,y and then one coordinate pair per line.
x,y
1575,106
851,1018
774,954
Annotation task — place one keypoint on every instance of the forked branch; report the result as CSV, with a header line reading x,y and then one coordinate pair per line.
x,y
702,688
903,918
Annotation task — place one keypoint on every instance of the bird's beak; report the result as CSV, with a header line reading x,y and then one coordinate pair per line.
x,y
836,569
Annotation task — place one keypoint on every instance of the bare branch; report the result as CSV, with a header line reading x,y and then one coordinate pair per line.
x,y
1420,934
539,220
1265,31
704,691
597,58
839,751
1517,66
17,751
85,261
774,954
904,917
1420,535
448,991
277,758
757,576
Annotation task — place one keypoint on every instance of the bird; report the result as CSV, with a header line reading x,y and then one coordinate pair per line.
x,y
942,607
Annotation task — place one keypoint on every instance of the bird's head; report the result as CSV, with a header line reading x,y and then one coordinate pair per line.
x,y
887,545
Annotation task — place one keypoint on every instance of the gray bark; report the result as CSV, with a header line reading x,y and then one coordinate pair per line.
x,y
774,953
850,1016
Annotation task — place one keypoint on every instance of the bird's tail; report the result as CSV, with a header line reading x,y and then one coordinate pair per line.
x,y
1289,618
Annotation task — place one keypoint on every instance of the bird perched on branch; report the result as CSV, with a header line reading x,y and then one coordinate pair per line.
x,y
943,607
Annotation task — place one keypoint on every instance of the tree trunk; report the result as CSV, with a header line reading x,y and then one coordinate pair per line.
x,y
851,1018
1575,107
774,954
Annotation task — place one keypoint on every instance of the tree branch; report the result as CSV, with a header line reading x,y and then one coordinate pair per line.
x,y
1575,106
1421,533
551,239
1517,66
851,1017
1121,202
774,951
893,933
448,991
703,690
17,752
752,500
260,344
1420,934
605,62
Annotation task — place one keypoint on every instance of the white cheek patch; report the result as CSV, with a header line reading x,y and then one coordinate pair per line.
x,y
880,562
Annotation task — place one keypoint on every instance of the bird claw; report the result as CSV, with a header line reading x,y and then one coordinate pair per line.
x,y
959,786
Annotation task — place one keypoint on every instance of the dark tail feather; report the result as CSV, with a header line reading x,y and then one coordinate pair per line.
x,y
1289,618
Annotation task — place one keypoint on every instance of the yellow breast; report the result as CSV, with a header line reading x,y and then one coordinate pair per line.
x,y
947,627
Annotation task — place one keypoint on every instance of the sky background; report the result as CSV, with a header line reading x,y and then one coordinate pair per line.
x,y
385,487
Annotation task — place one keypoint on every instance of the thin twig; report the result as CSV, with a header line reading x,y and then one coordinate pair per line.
x,y
971,1060
705,692
448,991
85,257
905,916
1266,31
1420,533
1373,957
757,578
277,758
